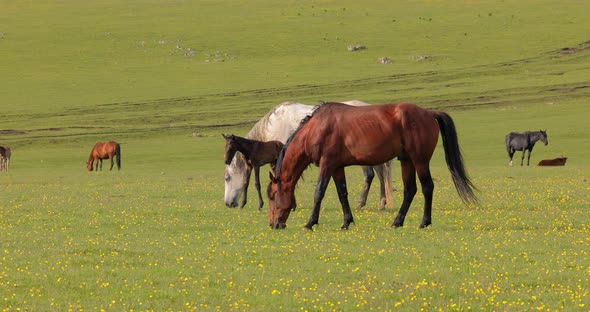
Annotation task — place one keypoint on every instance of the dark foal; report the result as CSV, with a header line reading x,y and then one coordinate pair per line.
x,y
257,154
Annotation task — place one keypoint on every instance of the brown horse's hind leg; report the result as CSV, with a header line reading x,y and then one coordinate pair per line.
x,y
340,181
427,191
410,189
112,162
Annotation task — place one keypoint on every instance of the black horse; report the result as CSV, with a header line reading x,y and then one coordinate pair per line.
x,y
524,141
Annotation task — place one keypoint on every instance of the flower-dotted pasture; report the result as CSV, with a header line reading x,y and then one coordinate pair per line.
x,y
169,243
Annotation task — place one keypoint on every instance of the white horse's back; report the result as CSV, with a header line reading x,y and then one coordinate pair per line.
x,y
280,122
356,103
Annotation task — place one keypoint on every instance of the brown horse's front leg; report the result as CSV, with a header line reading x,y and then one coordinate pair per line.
x,y
320,191
257,183
340,181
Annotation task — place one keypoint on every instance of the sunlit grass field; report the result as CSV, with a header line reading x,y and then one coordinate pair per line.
x,y
157,236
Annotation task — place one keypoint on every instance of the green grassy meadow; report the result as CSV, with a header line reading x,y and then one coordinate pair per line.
x,y
157,236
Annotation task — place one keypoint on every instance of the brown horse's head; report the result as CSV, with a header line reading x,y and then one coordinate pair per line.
x,y
230,148
280,203
89,166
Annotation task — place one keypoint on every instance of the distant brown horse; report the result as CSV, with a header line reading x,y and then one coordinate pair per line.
x,y
257,154
553,162
338,135
5,154
104,150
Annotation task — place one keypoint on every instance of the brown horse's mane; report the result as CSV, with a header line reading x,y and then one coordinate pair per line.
x,y
301,124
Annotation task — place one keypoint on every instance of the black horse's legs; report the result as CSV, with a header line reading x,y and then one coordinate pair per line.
x,y
245,198
410,189
257,183
528,161
522,159
369,175
510,154
320,191
340,181
427,191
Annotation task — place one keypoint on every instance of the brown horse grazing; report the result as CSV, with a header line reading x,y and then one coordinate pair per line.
x,y
257,154
553,162
338,135
5,154
104,150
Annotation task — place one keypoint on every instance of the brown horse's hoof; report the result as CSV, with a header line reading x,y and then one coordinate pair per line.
x,y
346,225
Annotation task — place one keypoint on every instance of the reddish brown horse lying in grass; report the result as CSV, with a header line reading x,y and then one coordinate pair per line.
x,y
553,162
338,135
104,150
257,154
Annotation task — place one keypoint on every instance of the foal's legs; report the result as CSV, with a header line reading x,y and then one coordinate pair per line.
x,y
410,189
340,181
320,191
245,198
257,183
369,175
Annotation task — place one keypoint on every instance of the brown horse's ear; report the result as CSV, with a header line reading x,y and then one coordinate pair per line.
x,y
225,136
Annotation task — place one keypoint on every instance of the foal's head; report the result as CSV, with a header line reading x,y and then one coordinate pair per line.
x,y
230,147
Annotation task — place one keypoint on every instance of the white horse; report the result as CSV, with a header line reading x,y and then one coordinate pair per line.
x,y
278,124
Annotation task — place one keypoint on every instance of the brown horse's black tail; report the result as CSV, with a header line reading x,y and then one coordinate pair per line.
x,y
118,154
454,159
